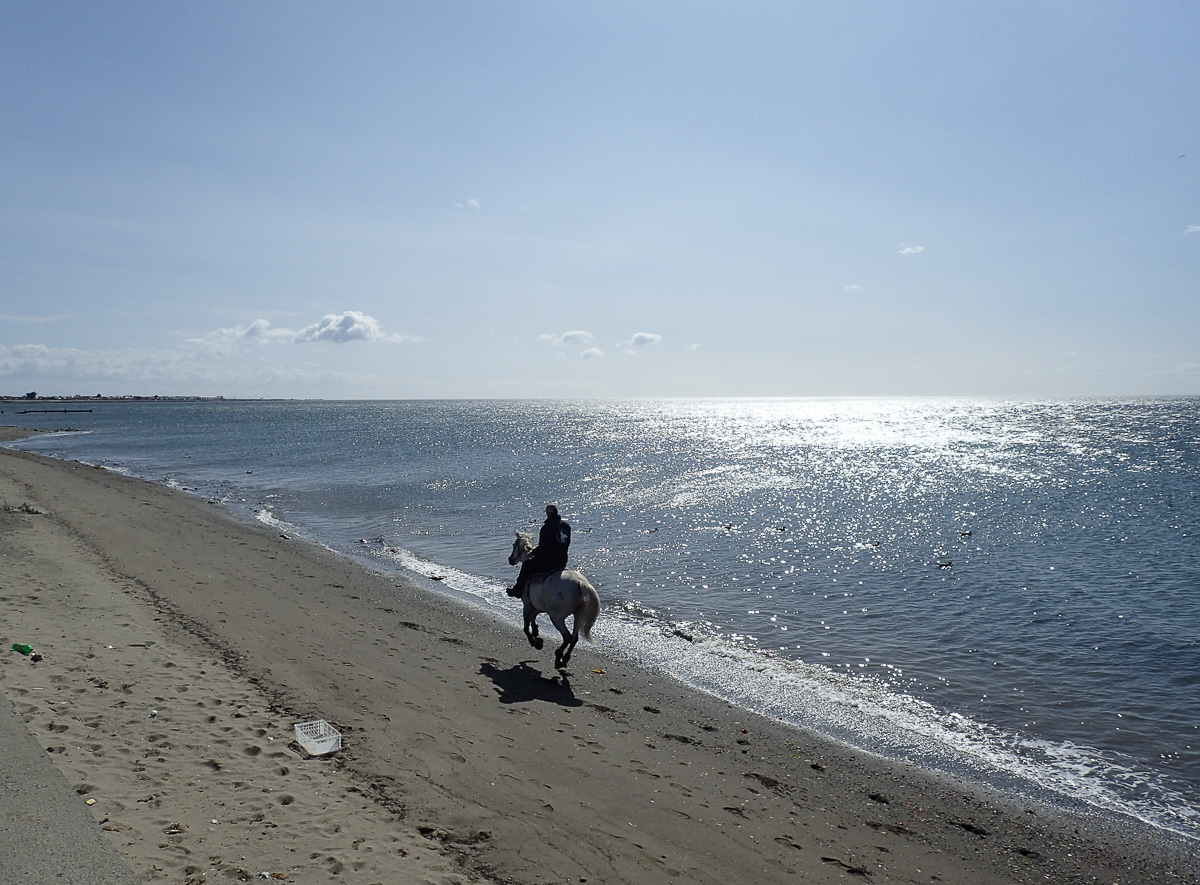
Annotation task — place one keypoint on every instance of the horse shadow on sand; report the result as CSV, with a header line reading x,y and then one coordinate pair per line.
x,y
523,683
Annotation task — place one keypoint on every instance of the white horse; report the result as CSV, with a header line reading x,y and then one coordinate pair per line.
x,y
558,594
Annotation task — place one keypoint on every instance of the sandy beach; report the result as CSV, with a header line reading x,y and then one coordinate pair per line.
x,y
179,646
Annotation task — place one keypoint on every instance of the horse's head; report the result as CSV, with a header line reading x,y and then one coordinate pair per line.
x,y
521,548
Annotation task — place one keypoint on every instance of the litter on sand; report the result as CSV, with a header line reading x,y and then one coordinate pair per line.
x,y
318,737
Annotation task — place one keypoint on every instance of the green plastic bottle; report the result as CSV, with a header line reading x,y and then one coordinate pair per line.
x,y
22,648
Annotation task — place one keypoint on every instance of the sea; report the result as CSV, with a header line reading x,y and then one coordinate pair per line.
x,y
1005,591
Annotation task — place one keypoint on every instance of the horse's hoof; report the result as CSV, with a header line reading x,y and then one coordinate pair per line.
x,y
537,643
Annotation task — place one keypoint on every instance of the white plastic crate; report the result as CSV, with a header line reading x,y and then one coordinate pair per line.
x,y
318,737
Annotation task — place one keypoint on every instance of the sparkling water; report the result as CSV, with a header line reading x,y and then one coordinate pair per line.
x,y
1003,590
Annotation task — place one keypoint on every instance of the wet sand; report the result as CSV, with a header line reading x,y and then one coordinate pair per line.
x,y
180,645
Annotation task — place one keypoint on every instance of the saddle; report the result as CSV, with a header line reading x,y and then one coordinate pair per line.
x,y
517,590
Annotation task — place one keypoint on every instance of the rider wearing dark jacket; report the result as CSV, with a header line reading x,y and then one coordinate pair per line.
x,y
550,555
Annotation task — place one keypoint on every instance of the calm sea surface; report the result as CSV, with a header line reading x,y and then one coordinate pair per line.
x,y
1007,590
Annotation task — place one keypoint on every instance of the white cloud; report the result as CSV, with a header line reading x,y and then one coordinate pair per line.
x,y
1185,372
161,371
639,339
1192,229
8,318
591,352
351,325
18,355
573,338
909,250
86,366
259,330
852,286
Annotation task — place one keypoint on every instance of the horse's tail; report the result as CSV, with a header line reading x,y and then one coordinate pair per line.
x,y
589,610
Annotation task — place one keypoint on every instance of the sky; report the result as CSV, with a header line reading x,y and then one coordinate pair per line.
x,y
620,199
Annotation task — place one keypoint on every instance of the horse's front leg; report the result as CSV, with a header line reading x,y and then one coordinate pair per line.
x,y
531,628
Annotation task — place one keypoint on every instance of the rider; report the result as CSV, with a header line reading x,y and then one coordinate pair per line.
x,y
550,555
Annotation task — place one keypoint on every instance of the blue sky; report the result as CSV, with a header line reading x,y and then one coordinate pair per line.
x,y
568,199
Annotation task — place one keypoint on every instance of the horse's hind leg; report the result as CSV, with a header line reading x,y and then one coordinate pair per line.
x,y
562,655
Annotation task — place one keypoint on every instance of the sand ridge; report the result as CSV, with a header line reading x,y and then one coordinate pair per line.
x,y
467,757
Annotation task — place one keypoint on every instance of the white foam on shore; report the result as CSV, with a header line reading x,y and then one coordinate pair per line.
x,y
875,718
479,590
267,517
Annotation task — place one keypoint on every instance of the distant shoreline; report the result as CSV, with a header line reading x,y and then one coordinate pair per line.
x,y
20,399
127,398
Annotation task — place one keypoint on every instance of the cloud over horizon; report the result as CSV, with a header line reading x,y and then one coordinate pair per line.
x,y
166,371
350,325
121,365
259,330
573,338
641,339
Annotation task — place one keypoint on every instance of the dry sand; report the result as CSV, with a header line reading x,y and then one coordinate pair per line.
x,y
180,645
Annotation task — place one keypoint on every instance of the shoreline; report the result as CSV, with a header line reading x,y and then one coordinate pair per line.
x,y
461,741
